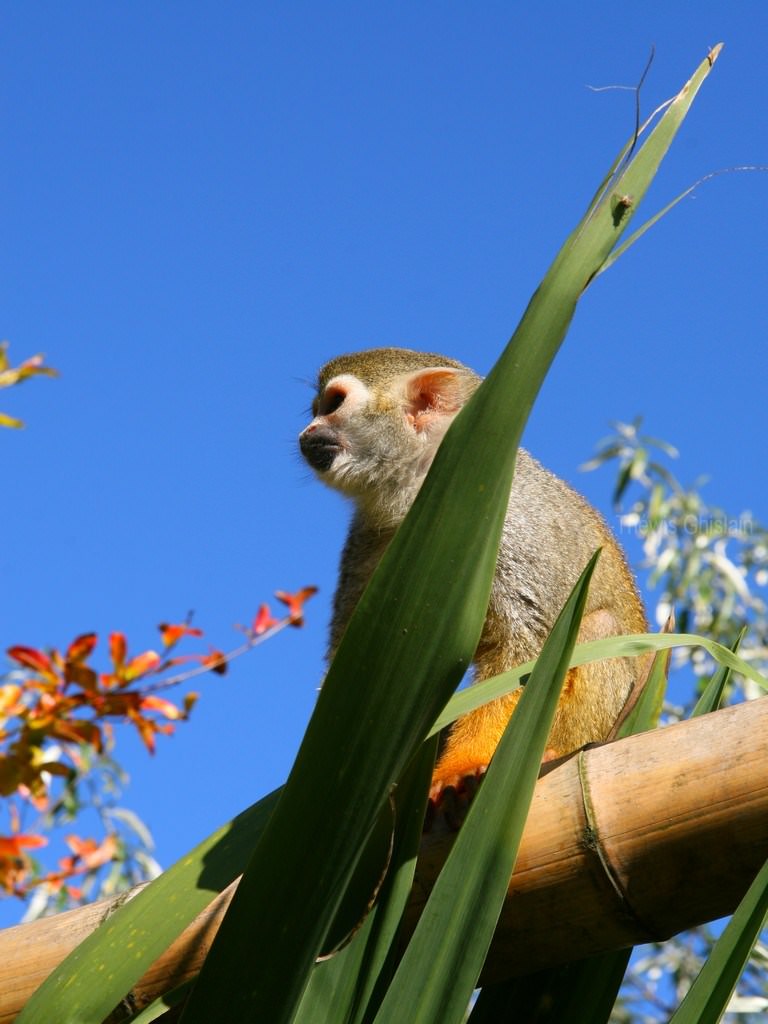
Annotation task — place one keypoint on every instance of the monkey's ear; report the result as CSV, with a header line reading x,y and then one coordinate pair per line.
x,y
431,396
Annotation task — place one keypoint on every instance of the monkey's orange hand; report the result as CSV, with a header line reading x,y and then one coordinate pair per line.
x,y
455,781
451,795
465,782
468,750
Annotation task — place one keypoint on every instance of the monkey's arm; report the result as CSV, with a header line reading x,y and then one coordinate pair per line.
x,y
591,700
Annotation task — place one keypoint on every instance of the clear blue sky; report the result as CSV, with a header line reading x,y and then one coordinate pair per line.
x,y
201,203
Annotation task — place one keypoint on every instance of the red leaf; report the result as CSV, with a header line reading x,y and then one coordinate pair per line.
x,y
216,661
81,676
147,730
295,603
171,634
29,657
117,649
263,621
79,731
81,647
91,854
13,846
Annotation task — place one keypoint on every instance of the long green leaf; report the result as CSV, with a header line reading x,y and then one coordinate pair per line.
x,y
577,993
158,1007
713,691
89,983
441,966
584,991
646,712
594,650
708,997
348,987
638,234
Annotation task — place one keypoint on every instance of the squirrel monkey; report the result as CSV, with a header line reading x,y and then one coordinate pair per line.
x,y
378,418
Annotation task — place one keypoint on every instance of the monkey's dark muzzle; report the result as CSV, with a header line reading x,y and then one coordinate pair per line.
x,y
319,448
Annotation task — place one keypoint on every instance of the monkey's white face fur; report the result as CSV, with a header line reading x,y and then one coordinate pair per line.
x,y
373,436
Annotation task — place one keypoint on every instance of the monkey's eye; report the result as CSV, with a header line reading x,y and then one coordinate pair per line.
x,y
330,400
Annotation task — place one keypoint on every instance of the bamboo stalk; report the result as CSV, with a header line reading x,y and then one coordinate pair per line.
x,y
627,842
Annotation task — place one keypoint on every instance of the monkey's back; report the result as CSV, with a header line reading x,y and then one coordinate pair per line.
x,y
550,533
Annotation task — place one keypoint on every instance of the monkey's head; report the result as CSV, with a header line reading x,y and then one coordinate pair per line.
x,y
378,418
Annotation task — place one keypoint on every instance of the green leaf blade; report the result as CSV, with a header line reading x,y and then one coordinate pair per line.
x,y
96,975
708,997
443,961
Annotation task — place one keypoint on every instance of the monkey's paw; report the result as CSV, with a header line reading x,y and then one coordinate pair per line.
x,y
451,795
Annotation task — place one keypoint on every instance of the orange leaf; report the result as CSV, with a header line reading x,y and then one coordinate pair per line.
x,y
263,621
78,845
90,853
29,657
81,675
171,634
162,706
81,647
147,729
216,661
141,665
117,649
13,846
10,700
295,603
79,731
114,703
